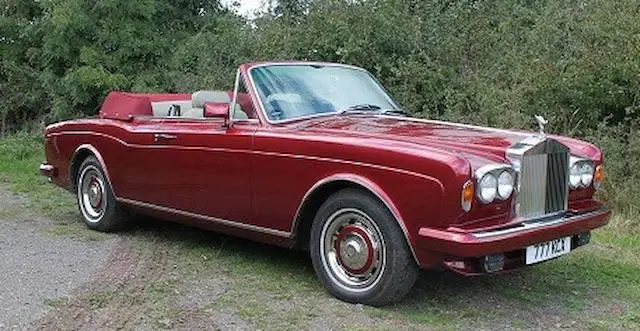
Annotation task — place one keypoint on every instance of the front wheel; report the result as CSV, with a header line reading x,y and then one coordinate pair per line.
x,y
359,251
96,201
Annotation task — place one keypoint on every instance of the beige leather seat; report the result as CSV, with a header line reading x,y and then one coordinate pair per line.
x,y
161,108
198,99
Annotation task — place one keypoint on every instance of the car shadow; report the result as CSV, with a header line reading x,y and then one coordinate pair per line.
x,y
223,244
440,290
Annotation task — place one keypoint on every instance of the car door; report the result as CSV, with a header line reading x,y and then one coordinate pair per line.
x,y
199,166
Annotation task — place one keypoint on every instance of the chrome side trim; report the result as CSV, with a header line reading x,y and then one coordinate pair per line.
x,y
531,225
212,219
369,187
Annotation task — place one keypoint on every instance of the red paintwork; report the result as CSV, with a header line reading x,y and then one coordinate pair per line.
x,y
257,174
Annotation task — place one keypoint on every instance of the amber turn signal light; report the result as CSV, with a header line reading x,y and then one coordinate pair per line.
x,y
468,191
598,176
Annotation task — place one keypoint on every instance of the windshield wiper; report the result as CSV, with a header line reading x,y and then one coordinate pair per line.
x,y
394,112
362,108
359,108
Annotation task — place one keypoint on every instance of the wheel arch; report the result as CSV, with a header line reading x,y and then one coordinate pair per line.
x,y
323,189
79,155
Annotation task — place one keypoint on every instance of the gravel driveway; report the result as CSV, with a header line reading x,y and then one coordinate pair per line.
x,y
37,267
153,276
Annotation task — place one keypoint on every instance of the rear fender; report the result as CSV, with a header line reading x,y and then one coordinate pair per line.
x,y
84,148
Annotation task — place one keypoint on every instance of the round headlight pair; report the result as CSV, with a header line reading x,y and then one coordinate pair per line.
x,y
581,174
496,183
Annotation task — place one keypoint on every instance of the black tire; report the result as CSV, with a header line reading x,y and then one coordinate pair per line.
x,y
100,211
393,268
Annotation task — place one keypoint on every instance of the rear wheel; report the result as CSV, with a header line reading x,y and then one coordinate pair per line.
x,y
96,201
359,251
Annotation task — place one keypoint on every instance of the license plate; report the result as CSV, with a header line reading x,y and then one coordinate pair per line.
x,y
548,250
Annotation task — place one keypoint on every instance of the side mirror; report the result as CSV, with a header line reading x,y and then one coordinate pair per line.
x,y
216,109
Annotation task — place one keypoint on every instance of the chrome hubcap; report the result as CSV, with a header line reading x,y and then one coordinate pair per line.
x,y
91,190
95,194
353,254
352,249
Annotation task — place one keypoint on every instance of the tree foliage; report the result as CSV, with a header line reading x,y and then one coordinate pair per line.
x,y
478,61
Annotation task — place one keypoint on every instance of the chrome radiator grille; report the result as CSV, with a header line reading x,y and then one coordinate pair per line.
x,y
557,182
544,171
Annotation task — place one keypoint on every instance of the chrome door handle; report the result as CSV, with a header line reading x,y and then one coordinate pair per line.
x,y
162,137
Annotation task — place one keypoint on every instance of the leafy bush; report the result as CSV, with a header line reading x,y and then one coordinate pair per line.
x,y
475,61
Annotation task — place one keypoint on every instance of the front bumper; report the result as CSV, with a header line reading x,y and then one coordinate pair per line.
x,y
458,244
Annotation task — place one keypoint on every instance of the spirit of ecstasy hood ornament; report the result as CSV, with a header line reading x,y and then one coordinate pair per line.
x,y
541,123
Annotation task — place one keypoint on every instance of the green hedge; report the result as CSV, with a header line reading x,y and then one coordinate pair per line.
x,y
493,63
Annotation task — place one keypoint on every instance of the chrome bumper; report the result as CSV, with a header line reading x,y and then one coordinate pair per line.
x,y
540,223
453,242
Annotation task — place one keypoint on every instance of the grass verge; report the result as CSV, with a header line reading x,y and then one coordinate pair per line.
x,y
20,157
595,287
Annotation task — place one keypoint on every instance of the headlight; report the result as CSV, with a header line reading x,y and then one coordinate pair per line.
x,y
487,188
581,173
575,177
505,184
495,181
586,174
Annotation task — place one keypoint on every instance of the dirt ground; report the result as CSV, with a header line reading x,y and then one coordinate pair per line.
x,y
58,275
58,280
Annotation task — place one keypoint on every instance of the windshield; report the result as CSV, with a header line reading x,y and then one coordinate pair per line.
x,y
293,91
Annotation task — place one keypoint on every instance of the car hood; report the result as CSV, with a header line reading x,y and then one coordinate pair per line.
x,y
476,143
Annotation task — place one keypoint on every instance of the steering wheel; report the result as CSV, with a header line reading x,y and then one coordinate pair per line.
x,y
277,105
276,109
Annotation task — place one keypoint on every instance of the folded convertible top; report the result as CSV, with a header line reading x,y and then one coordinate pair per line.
x,y
126,105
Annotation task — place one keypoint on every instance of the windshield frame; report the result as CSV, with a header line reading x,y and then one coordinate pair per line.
x,y
324,64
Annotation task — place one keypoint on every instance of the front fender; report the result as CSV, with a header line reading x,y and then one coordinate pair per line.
x,y
403,195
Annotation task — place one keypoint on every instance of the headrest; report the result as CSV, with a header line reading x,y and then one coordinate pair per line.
x,y
201,97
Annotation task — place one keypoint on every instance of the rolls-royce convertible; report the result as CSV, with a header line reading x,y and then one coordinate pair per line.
x,y
318,156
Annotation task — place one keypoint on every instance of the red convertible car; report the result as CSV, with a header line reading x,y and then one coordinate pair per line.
x,y
318,156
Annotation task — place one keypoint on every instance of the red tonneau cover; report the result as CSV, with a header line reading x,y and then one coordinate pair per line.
x,y
125,105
